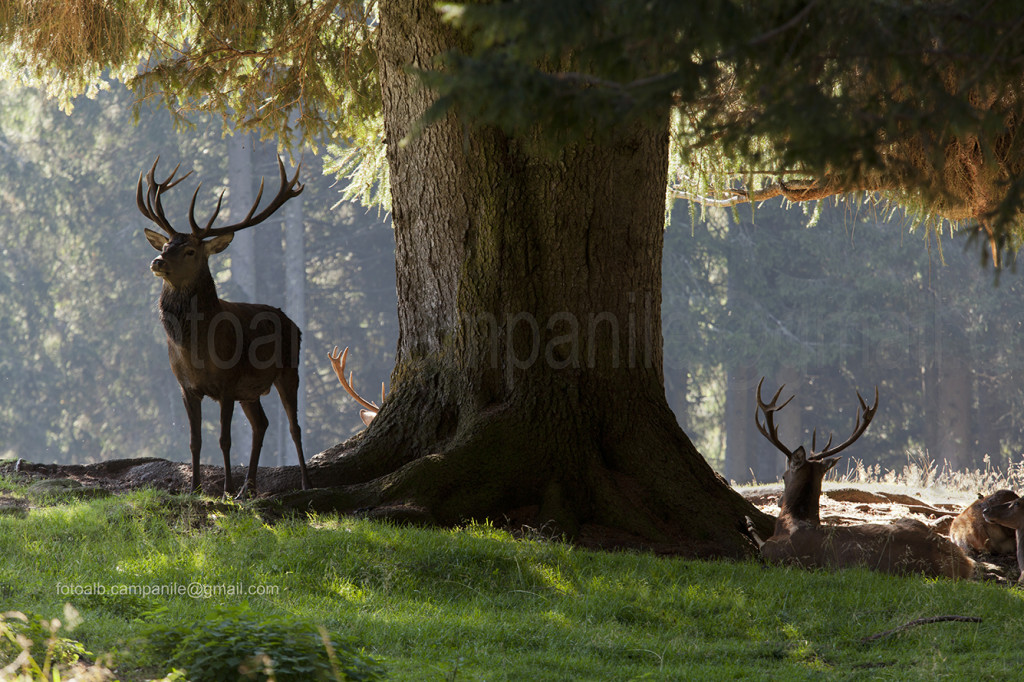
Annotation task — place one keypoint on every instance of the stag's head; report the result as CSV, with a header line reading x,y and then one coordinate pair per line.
x,y
184,256
804,473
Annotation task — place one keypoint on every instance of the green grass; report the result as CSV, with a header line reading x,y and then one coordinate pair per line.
x,y
476,604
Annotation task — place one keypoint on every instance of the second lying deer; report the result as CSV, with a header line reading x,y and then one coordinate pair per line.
x,y
1011,515
970,530
904,546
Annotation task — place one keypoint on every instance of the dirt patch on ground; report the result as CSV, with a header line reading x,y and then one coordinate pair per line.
x,y
121,475
847,506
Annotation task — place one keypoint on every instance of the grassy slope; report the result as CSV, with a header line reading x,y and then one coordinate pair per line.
x,y
476,604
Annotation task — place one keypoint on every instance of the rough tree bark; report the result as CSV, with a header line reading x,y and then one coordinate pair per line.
x,y
528,378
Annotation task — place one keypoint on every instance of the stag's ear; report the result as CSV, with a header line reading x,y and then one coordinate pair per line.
x,y
156,239
798,458
218,244
830,462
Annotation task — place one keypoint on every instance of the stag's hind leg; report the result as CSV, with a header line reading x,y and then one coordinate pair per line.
x,y
258,420
288,389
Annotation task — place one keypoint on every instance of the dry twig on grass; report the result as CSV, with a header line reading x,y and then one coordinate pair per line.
x,y
921,621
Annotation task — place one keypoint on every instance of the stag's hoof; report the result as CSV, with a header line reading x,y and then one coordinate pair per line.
x,y
246,491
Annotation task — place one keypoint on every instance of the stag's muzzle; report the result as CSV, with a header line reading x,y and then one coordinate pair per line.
x,y
159,266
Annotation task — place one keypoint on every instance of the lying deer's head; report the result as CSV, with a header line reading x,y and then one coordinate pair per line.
x,y
804,473
1009,512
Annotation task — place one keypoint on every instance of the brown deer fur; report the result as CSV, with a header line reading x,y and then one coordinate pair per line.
x,y
971,532
1011,515
904,546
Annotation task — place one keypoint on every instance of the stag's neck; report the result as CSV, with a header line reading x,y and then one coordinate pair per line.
x,y
186,310
802,504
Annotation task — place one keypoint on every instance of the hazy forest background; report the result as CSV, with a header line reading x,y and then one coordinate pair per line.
x,y
853,301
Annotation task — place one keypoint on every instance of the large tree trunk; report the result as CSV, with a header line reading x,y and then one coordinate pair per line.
x,y
528,378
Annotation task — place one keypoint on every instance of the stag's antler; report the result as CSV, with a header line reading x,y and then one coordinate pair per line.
x,y
338,363
769,429
151,207
289,189
859,427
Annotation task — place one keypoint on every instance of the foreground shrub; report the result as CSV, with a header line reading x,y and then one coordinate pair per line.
x,y
31,646
236,644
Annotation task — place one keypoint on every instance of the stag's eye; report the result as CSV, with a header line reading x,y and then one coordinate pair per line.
x,y
190,252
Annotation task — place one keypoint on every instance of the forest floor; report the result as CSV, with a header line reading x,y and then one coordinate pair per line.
x,y
845,502
477,602
842,503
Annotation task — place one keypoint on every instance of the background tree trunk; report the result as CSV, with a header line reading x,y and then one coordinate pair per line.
x,y
528,380
243,266
240,197
741,440
295,308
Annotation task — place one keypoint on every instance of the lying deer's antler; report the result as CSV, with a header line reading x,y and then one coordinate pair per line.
x,y
859,426
338,363
770,430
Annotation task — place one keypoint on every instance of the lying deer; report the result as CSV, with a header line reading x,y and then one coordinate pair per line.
x,y
370,408
225,350
905,546
1011,515
970,531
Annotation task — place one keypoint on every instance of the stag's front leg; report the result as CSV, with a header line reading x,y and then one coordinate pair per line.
x,y
259,422
752,530
193,408
227,408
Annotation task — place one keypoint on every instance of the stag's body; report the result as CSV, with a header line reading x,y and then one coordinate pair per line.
x,y
970,531
231,352
904,546
1011,515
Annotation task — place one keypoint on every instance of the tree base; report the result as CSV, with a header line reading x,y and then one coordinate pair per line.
x,y
673,504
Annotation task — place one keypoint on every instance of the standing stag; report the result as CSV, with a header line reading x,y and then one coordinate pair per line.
x,y
221,349
905,546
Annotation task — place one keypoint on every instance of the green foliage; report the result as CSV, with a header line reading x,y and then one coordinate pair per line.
x,y
920,99
233,643
33,646
299,69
